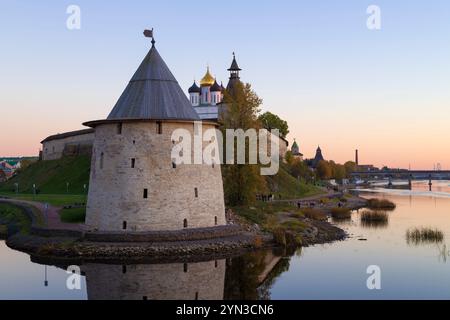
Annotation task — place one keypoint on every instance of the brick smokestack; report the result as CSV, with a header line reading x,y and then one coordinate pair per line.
x,y
356,157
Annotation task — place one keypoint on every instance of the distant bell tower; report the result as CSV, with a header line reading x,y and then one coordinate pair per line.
x,y
234,74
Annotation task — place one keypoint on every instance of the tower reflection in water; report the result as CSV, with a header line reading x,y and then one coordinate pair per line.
x,y
176,281
249,276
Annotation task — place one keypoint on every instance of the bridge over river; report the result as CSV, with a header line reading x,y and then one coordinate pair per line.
x,y
403,174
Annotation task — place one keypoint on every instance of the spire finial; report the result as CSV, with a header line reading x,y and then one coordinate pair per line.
x,y
149,34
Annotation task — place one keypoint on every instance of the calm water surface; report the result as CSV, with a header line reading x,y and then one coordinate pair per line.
x,y
331,271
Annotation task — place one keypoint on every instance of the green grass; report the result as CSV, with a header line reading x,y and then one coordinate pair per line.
x,y
53,199
3,230
285,185
74,215
259,212
51,177
13,215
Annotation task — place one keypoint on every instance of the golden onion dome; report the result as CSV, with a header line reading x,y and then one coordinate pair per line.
x,y
208,80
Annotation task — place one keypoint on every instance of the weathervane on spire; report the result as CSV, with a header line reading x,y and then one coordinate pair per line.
x,y
149,34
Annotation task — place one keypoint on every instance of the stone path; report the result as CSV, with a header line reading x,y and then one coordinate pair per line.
x,y
50,215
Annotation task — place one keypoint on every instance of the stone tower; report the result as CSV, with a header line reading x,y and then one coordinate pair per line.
x,y
134,183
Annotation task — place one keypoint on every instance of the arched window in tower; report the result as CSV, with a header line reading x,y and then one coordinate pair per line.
x,y
102,155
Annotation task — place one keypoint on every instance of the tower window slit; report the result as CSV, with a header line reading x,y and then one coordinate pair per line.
x,y
196,192
133,162
102,155
215,220
185,267
124,269
185,223
119,128
124,225
159,127
145,193
174,165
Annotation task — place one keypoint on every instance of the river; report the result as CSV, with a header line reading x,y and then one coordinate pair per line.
x,y
331,271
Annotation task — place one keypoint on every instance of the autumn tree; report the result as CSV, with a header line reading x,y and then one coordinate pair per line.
x,y
324,170
241,181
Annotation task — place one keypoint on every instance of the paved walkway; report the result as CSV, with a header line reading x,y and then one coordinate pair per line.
x,y
329,194
50,215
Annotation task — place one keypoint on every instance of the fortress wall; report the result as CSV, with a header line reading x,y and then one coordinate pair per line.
x,y
53,149
116,189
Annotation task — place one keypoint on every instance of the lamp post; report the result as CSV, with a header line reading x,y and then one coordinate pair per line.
x,y
34,190
17,187
45,276
67,187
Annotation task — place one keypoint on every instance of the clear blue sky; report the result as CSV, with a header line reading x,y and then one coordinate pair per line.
x,y
314,63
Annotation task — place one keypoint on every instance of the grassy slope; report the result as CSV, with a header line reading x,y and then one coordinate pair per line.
x,y
74,215
288,187
51,177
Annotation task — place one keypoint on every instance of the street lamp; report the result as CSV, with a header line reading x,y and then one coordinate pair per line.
x,y
67,187
45,276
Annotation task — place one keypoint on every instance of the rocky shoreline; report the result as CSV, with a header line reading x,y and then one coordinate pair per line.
x,y
249,238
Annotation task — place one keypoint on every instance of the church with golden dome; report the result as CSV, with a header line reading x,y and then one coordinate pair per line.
x,y
207,99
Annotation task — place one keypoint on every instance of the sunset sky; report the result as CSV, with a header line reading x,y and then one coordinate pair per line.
x,y
314,63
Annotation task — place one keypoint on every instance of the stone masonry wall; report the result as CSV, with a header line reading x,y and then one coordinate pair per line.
x,y
116,192
53,149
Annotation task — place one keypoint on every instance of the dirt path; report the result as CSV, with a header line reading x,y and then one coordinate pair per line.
x,y
49,214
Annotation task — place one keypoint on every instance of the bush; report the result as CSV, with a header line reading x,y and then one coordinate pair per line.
x,y
341,213
424,235
314,214
279,236
380,204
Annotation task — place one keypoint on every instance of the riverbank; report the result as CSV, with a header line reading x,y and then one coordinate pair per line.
x,y
283,225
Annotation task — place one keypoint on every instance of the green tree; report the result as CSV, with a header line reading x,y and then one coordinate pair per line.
x,y
241,181
271,121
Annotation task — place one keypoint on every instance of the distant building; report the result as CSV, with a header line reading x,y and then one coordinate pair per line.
x,y
295,150
207,99
317,158
3,177
7,170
